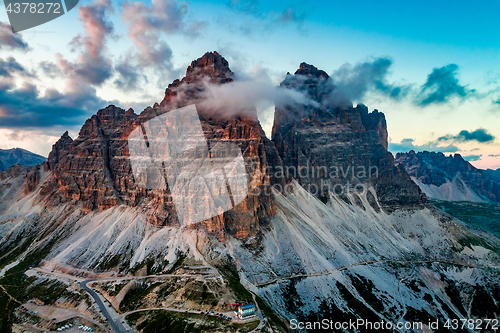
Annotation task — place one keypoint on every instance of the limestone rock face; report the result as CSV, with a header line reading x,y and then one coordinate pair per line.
x,y
211,68
95,168
33,179
324,131
333,147
432,168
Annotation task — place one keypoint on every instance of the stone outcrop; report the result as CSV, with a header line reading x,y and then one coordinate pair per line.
x,y
95,168
334,147
433,168
15,171
33,179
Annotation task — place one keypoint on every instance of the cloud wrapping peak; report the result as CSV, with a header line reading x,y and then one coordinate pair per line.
x,y
242,96
25,107
10,40
441,85
480,135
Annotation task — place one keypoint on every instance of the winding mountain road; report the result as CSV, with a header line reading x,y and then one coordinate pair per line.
x,y
116,325
114,319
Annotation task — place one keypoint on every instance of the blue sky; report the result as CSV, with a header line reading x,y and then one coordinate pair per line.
x,y
442,56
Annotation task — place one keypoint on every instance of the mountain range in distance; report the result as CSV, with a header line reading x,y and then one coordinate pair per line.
x,y
21,156
450,177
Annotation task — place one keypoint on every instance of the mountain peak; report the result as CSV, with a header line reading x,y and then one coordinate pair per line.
x,y
211,64
306,69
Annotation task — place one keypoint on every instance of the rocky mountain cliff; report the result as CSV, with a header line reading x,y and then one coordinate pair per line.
x,y
450,177
21,156
334,147
369,246
95,169
341,147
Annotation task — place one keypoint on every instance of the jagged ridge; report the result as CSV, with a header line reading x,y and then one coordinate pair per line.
x,y
450,177
339,144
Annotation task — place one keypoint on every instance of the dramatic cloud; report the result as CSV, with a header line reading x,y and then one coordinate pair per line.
x,y
25,107
355,81
15,136
92,66
11,66
472,158
480,135
128,76
146,24
50,69
10,40
248,6
442,85
408,144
